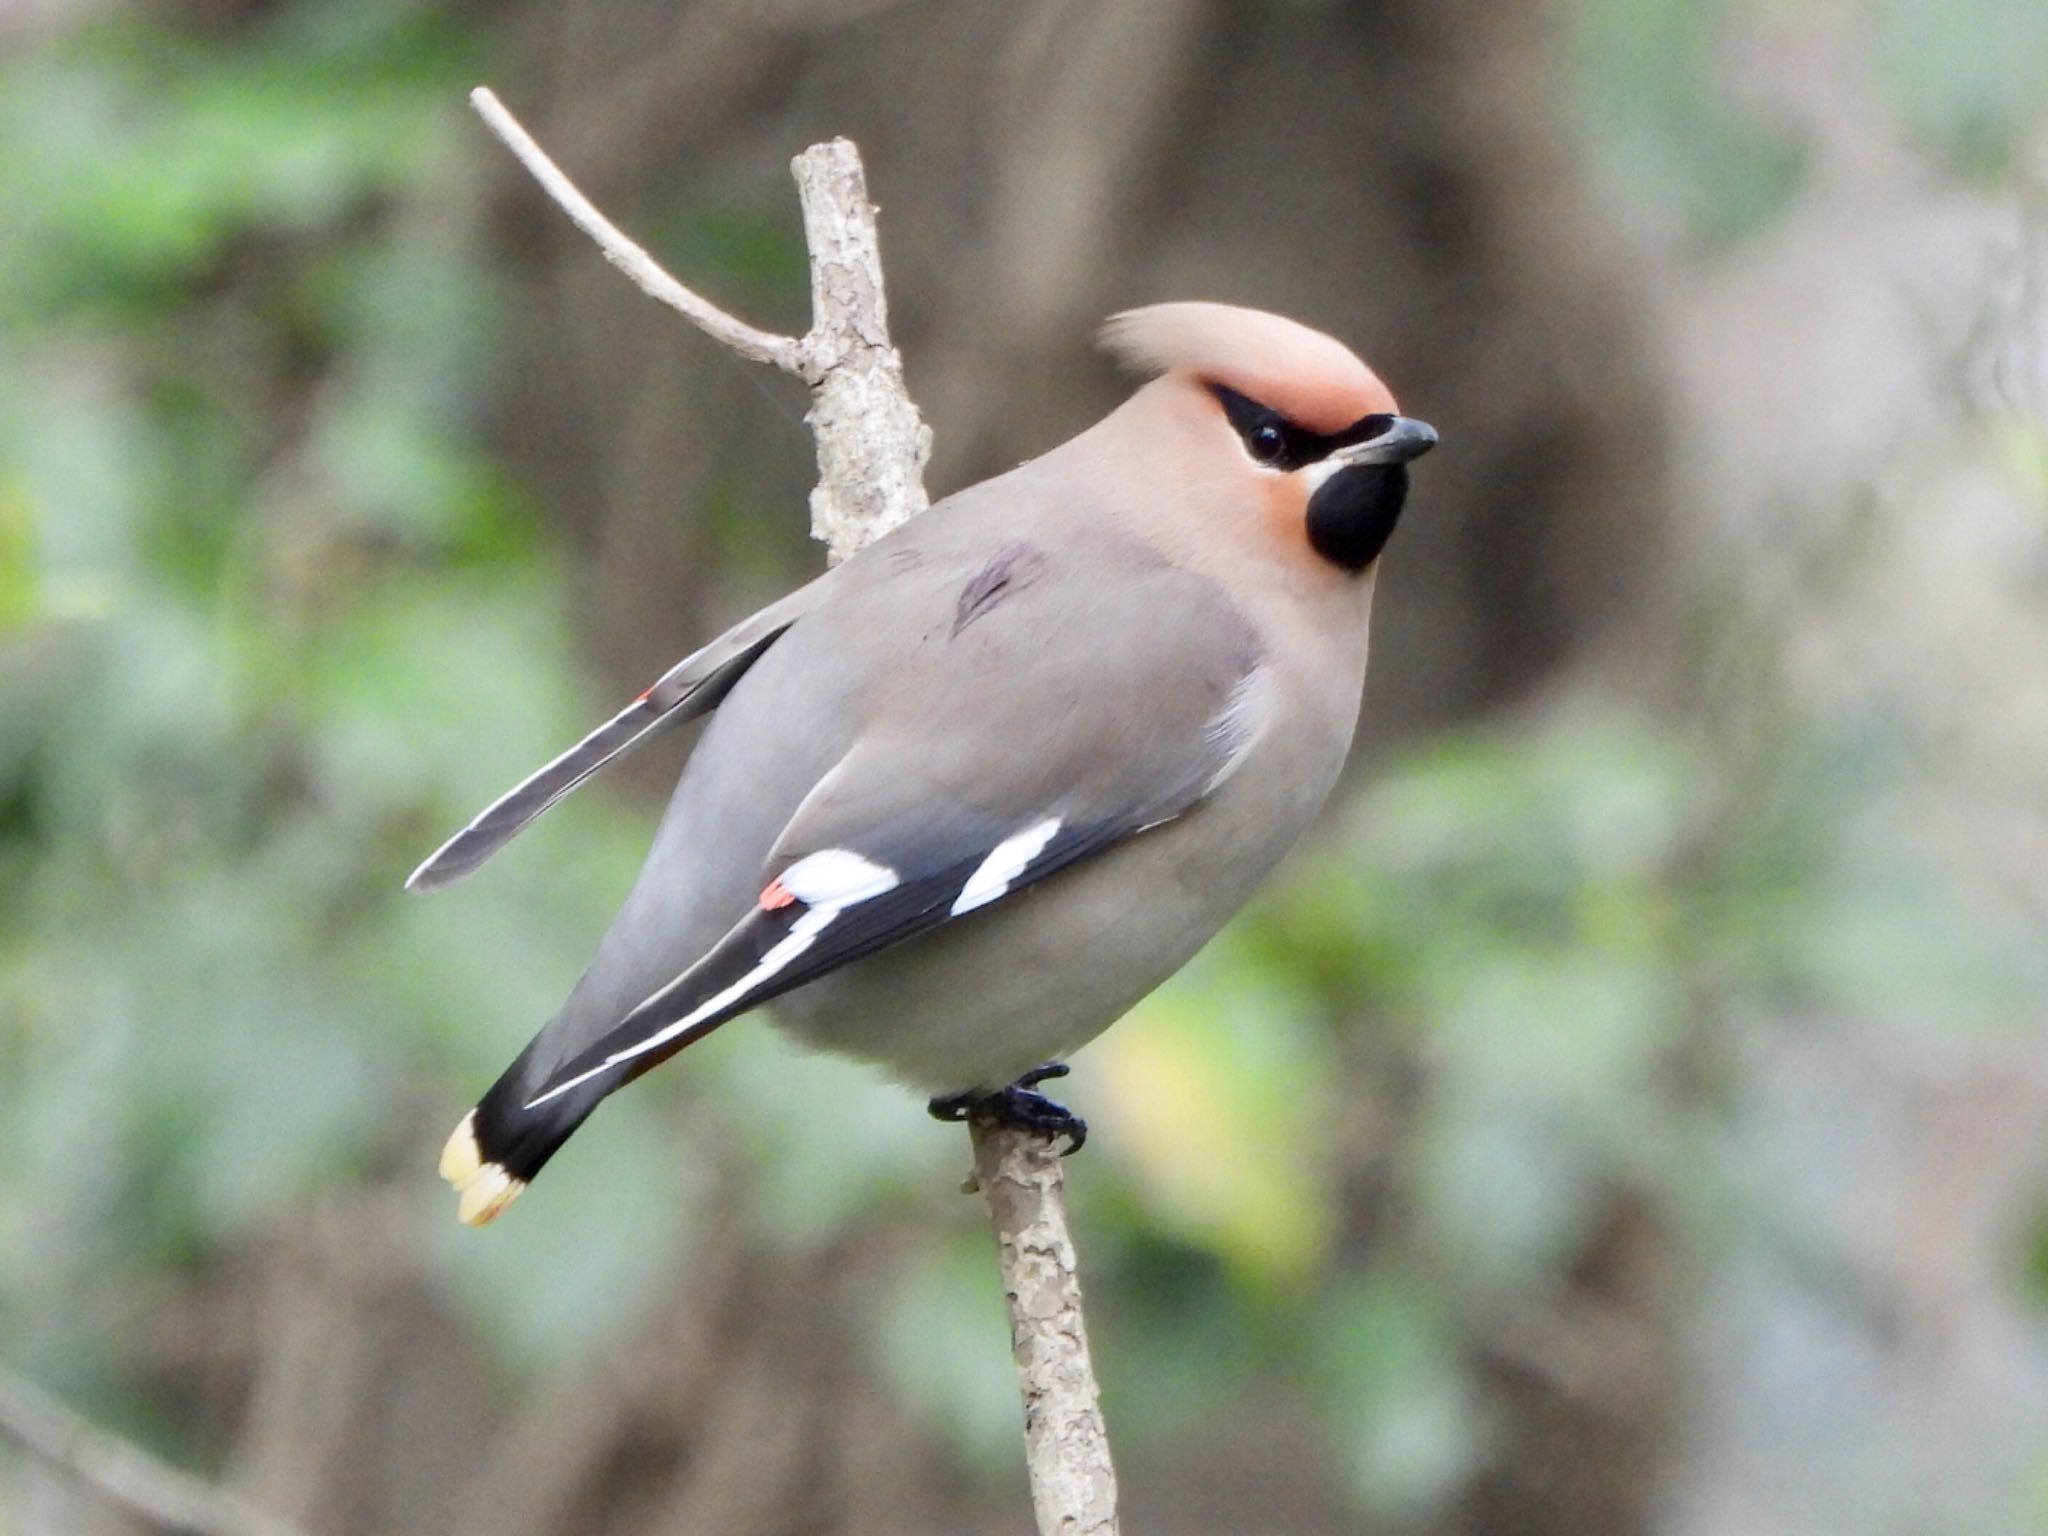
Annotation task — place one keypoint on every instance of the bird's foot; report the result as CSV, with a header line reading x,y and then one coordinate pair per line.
x,y
1018,1108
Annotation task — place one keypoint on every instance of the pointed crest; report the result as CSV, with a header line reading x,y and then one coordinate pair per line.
x,y
1309,377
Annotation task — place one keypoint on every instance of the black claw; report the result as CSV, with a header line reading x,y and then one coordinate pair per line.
x,y
1018,1108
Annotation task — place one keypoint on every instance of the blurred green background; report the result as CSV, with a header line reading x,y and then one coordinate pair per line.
x,y
1627,1114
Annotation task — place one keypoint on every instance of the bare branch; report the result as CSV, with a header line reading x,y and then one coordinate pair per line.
x,y
1066,1444
785,352
124,1473
872,443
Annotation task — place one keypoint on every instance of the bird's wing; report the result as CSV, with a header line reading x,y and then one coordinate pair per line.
x,y
965,797
692,687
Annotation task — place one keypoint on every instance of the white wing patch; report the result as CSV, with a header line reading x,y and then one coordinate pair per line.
x,y
837,877
827,883
1006,861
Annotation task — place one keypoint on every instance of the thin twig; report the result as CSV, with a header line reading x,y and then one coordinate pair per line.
x,y
872,449
648,275
123,1472
872,444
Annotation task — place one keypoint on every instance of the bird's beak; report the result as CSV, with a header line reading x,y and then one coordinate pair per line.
x,y
1404,438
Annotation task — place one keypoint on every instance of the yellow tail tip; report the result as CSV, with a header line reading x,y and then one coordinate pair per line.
x,y
486,1188
486,1195
462,1159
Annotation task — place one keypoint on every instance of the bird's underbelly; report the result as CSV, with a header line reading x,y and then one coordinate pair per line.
x,y
981,1000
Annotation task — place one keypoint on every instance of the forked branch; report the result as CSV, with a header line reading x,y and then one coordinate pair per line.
x,y
871,442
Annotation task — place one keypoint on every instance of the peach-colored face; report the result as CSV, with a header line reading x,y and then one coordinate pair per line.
x,y
1283,518
1312,380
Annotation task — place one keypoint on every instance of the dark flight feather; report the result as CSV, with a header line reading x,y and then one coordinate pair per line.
x,y
694,686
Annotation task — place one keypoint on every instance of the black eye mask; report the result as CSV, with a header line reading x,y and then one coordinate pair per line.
x,y
1273,440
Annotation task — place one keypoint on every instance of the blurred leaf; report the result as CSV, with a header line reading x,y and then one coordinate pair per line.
x,y
1546,1092
1891,946
945,1344
153,154
1655,110
1177,1337
832,1140
18,569
1217,1092
2022,447
1387,1359
1966,73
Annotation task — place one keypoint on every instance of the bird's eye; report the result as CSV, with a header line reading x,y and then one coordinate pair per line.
x,y
1267,435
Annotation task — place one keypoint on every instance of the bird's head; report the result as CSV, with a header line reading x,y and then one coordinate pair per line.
x,y
1287,413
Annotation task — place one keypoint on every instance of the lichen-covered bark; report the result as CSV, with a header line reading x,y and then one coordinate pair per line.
x,y
1073,1485
872,443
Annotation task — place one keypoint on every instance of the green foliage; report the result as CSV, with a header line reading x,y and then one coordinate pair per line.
x,y
1219,1101
943,1340
1966,74
1388,1359
1659,109
255,658
154,154
1696,128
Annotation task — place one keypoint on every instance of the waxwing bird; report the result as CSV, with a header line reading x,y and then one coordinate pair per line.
x,y
970,795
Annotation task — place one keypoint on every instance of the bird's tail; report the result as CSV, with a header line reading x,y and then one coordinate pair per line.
x,y
502,1144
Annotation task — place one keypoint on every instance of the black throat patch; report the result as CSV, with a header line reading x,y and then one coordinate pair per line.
x,y
1352,515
